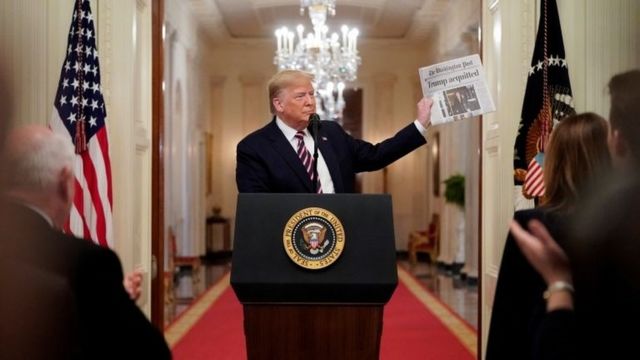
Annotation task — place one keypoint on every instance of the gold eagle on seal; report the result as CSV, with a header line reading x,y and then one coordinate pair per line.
x,y
314,235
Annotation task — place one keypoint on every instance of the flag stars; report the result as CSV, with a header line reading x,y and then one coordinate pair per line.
x,y
74,100
79,50
65,83
93,121
72,118
94,105
77,66
539,65
75,84
85,102
63,100
85,86
67,65
86,68
88,34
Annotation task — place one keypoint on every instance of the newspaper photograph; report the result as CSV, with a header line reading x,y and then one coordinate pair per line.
x,y
458,88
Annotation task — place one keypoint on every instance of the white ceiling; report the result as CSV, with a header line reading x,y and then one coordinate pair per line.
x,y
376,19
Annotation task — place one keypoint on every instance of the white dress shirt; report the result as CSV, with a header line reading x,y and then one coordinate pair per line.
x,y
323,171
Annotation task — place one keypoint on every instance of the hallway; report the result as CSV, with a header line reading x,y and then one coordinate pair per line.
x,y
460,296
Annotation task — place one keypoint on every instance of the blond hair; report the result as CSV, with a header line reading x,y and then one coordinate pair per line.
x,y
283,79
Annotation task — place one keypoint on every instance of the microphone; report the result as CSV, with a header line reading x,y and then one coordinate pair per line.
x,y
314,126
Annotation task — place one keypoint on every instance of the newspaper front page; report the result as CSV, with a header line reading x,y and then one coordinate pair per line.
x,y
458,88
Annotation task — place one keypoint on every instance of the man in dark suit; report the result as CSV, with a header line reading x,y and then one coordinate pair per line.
x,y
272,159
38,186
30,328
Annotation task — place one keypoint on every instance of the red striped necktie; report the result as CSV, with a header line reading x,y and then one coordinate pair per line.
x,y
307,160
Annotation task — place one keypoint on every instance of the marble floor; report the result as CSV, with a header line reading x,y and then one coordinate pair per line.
x,y
452,289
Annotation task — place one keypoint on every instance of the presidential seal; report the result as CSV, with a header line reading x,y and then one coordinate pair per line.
x,y
313,238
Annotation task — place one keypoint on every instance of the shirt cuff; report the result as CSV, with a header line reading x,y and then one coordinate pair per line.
x,y
421,129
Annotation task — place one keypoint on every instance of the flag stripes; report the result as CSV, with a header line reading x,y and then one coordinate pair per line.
x,y
80,114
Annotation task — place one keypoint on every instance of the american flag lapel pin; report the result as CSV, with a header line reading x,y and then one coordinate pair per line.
x,y
324,138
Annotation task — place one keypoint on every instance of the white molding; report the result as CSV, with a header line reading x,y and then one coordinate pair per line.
x,y
251,79
493,5
142,139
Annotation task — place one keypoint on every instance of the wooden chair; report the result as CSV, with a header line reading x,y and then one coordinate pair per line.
x,y
191,262
425,241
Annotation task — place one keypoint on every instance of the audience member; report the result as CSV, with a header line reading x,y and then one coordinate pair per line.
x,y
577,152
278,157
38,187
36,307
603,251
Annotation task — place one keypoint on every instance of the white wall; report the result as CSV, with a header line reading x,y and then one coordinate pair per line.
x,y
186,114
459,144
600,38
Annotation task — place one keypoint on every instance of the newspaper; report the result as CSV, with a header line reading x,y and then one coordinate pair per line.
x,y
458,89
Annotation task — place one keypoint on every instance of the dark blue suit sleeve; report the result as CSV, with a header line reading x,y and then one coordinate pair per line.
x,y
251,174
109,315
518,307
370,157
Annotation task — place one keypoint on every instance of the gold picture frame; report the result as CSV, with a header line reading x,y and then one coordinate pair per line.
x,y
435,153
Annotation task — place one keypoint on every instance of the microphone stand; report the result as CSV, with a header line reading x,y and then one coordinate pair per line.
x,y
315,123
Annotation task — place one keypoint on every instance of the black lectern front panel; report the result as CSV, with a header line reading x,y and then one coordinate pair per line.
x,y
365,271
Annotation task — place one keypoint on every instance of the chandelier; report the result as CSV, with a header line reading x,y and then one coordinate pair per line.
x,y
333,60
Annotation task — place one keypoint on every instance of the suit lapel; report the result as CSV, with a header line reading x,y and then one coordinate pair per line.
x,y
284,149
332,161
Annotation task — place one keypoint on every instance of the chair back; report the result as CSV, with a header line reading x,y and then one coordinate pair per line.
x,y
434,231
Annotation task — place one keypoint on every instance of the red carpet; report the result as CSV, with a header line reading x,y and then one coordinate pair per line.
x,y
217,335
411,330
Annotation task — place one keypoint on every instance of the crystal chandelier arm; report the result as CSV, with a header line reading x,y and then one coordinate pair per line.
x,y
326,57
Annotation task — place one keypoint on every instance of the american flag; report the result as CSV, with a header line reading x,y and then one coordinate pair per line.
x,y
534,180
79,113
547,100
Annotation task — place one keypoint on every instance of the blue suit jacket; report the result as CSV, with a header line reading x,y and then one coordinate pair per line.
x,y
267,163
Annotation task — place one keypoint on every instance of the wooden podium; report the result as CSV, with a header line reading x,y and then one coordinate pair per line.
x,y
292,312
